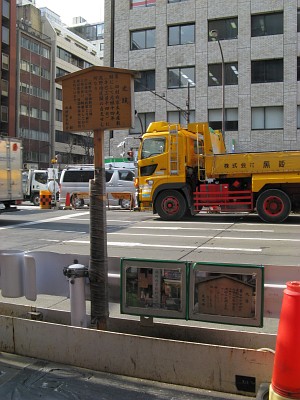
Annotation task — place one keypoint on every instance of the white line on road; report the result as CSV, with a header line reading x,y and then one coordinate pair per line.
x,y
42,221
179,228
205,237
124,244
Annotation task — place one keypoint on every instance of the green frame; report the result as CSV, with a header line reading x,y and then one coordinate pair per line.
x,y
145,284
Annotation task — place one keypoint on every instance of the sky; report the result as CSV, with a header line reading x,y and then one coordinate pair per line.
x,y
91,10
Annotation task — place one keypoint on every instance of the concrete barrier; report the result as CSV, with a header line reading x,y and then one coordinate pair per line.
x,y
200,365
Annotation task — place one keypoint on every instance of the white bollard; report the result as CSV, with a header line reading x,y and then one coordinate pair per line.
x,y
76,274
12,270
30,290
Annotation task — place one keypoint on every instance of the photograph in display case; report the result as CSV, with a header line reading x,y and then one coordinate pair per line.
x,y
154,288
229,294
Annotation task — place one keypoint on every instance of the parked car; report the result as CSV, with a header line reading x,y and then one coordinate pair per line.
x,y
74,180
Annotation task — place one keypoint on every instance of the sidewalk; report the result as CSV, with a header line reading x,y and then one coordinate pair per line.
x,y
26,378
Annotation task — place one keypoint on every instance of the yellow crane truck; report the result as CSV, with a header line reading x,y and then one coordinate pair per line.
x,y
182,170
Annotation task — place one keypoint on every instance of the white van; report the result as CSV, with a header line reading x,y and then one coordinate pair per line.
x,y
76,179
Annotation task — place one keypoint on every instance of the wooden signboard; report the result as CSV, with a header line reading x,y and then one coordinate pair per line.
x,y
226,293
97,98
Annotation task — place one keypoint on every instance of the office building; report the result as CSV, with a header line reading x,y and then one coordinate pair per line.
x,y
46,49
8,68
181,48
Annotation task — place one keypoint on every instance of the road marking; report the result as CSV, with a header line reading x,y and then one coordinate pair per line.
x,y
205,237
42,221
124,244
179,228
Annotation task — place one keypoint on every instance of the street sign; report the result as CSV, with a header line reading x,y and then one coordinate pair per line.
x,y
226,293
98,98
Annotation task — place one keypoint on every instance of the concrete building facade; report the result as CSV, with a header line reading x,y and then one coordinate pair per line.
x,y
8,67
181,48
45,50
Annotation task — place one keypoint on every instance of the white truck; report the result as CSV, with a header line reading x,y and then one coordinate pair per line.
x,y
36,180
11,192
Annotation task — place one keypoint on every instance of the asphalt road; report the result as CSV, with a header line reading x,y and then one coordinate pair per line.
x,y
206,238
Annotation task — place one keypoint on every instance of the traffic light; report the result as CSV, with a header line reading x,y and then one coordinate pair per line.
x,y
130,155
57,159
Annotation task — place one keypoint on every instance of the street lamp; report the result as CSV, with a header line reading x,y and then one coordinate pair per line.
x,y
214,35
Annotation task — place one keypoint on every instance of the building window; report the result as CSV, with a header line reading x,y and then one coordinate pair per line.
x,y
298,20
145,82
227,28
4,113
181,77
298,69
141,122
5,35
144,39
142,3
5,61
58,94
175,1
4,87
180,117
230,74
231,119
58,115
181,34
61,72
5,8
267,71
298,117
267,24
267,117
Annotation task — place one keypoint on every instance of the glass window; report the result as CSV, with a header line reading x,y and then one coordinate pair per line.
x,y
179,117
5,35
298,117
4,87
58,115
181,34
58,94
141,122
142,3
5,8
267,71
108,175
215,74
226,28
145,82
267,24
267,117
5,61
78,176
231,119
125,175
298,20
175,1
181,77
298,69
142,39
153,146
4,113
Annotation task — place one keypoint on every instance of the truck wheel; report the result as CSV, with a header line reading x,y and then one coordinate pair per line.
x,y
170,205
273,205
36,199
